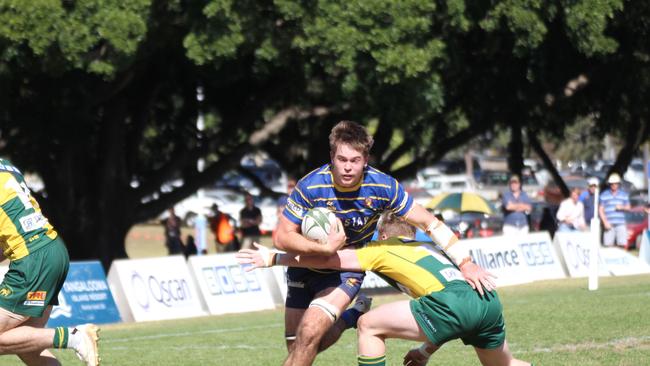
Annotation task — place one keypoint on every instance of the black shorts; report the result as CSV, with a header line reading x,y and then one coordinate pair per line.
x,y
303,284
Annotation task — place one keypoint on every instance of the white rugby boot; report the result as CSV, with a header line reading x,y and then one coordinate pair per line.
x,y
87,350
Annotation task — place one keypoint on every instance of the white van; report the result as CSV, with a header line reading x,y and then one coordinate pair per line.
x,y
448,183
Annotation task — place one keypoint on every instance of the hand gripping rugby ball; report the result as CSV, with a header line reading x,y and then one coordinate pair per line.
x,y
316,223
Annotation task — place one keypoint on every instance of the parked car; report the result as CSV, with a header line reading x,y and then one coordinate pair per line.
x,y
636,221
448,184
494,182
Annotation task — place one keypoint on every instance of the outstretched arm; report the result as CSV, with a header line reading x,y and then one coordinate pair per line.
x,y
263,257
440,233
289,238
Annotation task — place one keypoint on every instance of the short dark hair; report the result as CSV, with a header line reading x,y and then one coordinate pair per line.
x,y
393,225
353,134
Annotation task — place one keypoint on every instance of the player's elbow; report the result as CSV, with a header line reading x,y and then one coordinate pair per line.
x,y
279,239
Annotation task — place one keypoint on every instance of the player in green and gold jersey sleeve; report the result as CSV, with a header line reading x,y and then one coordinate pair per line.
x,y
443,305
38,267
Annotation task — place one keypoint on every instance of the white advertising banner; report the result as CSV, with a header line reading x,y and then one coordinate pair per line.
x,y
644,250
154,289
621,263
227,288
576,248
280,275
517,259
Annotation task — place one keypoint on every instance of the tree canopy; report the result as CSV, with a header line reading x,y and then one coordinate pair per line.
x,y
101,98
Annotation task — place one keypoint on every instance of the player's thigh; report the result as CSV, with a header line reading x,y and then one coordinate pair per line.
x,y
499,356
335,296
392,320
292,317
41,321
10,320
43,358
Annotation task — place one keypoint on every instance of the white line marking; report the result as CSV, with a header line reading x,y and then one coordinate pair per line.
x,y
192,333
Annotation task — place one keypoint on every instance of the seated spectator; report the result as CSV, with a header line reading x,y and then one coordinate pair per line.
x,y
571,214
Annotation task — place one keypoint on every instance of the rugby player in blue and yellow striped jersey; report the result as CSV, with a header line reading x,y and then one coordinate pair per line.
x,y
38,267
357,194
443,305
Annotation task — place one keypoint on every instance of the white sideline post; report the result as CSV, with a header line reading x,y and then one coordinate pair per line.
x,y
595,247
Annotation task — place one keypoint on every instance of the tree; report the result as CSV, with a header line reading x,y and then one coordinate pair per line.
x,y
102,98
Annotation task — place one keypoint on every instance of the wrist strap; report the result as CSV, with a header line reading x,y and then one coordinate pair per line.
x,y
423,350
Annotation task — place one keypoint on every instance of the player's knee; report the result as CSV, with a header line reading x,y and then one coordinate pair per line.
x,y
364,324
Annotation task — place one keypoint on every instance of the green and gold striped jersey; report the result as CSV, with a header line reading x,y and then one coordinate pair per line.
x,y
413,267
23,228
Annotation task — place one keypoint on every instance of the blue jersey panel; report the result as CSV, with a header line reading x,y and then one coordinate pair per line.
x,y
358,208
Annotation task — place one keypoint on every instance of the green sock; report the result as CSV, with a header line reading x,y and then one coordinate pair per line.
x,y
372,361
60,337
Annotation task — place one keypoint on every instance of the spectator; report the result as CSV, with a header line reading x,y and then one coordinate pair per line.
x,y
516,206
571,214
223,228
250,218
172,225
190,246
588,199
613,203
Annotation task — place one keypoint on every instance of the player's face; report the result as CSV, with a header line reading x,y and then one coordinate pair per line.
x,y
347,165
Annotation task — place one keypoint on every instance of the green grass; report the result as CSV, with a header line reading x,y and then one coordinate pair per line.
x,y
549,323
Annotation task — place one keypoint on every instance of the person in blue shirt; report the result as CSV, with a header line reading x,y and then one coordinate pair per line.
x,y
587,198
613,204
358,194
516,207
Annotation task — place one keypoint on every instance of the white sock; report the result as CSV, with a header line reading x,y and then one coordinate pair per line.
x,y
75,338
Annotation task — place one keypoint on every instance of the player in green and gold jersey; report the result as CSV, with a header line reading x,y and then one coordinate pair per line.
x,y
444,306
38,267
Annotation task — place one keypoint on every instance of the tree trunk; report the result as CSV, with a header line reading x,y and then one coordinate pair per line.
x,y
548,164
515,149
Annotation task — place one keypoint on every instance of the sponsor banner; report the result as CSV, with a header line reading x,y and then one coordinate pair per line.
x,y
621,263
154,289
280,276
517,259
85,297
226,286
644,250
576,248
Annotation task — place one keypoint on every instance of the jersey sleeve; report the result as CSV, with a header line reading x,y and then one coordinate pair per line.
x,y
297,204
400,201
370,256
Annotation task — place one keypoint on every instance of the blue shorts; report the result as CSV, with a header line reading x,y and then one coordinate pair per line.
x,y
303,284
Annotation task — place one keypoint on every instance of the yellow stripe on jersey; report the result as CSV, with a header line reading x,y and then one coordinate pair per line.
x,y
392,202
362,238
303,196
6,194
351,199
397,260
13,244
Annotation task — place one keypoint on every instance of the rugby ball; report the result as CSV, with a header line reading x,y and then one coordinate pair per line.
x,y
316,223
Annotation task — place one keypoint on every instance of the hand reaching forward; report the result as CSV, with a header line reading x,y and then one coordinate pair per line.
x,y
260,258
477,277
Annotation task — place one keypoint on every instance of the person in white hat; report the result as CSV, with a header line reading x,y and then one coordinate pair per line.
x,y
613,204
587,197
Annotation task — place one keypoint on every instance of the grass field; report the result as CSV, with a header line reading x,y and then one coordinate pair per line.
x,y
550,323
